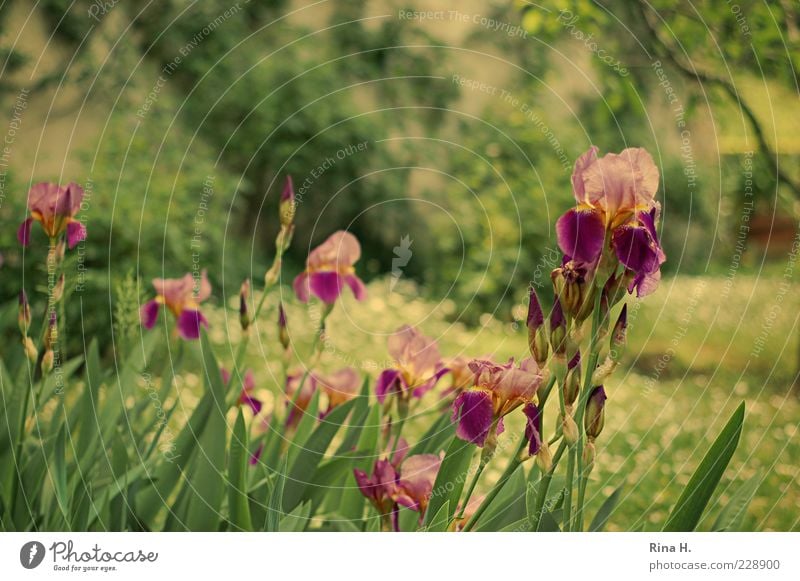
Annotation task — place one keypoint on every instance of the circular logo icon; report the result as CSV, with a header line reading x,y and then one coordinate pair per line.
x,y
31,554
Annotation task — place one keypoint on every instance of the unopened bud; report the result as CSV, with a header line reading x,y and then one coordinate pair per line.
x,y
51,334
569,429
572,383
537,339
48,359
61,249
273,273
569,284
58,289
287,203
283,331
589,454
618,335
594,417
244,314
604,371
24,316
558,329
544,459
30,349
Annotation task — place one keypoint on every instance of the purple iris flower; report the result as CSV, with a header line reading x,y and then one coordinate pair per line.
x,y
179,296
54,207
498,390
329,268
418,365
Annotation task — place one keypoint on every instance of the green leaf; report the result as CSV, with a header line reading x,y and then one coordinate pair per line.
x,y
450,479
295,521
441,520
311,454
692,502
508,506
549,521
304,428
208,478
238,503
60,471
436,437
357,418
275,509
732,515
609,504
352,502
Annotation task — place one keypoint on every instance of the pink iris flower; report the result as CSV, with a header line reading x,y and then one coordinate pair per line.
x,y
616,206
497,391
340,386
54,207
409,485
179,296
418,365
329,268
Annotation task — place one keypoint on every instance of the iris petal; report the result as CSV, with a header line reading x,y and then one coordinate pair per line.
x,y
581,233
474,413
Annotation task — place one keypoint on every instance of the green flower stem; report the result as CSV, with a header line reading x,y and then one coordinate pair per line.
x,y
594,354
544,486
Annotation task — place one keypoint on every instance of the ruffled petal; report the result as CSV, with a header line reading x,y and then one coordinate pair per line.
x,y
301,288
357,286
581,233
474,413
581,164
76,232
189,323
24,232
327,286
149,314
387,383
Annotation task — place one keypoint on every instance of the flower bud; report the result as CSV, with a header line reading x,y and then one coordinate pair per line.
x,y
61,249
604,371
273,273
570,429
287,203
544,459
589,454
30,349
537,338
283,332
569,283
558,329
51,334
572,383
58,289
618,335
244,315
24,317
48,360
594,416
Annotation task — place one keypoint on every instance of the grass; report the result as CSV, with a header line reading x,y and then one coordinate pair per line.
x,y
697,348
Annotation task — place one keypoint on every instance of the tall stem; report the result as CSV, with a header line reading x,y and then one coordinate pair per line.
x,y
594,353
544,486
